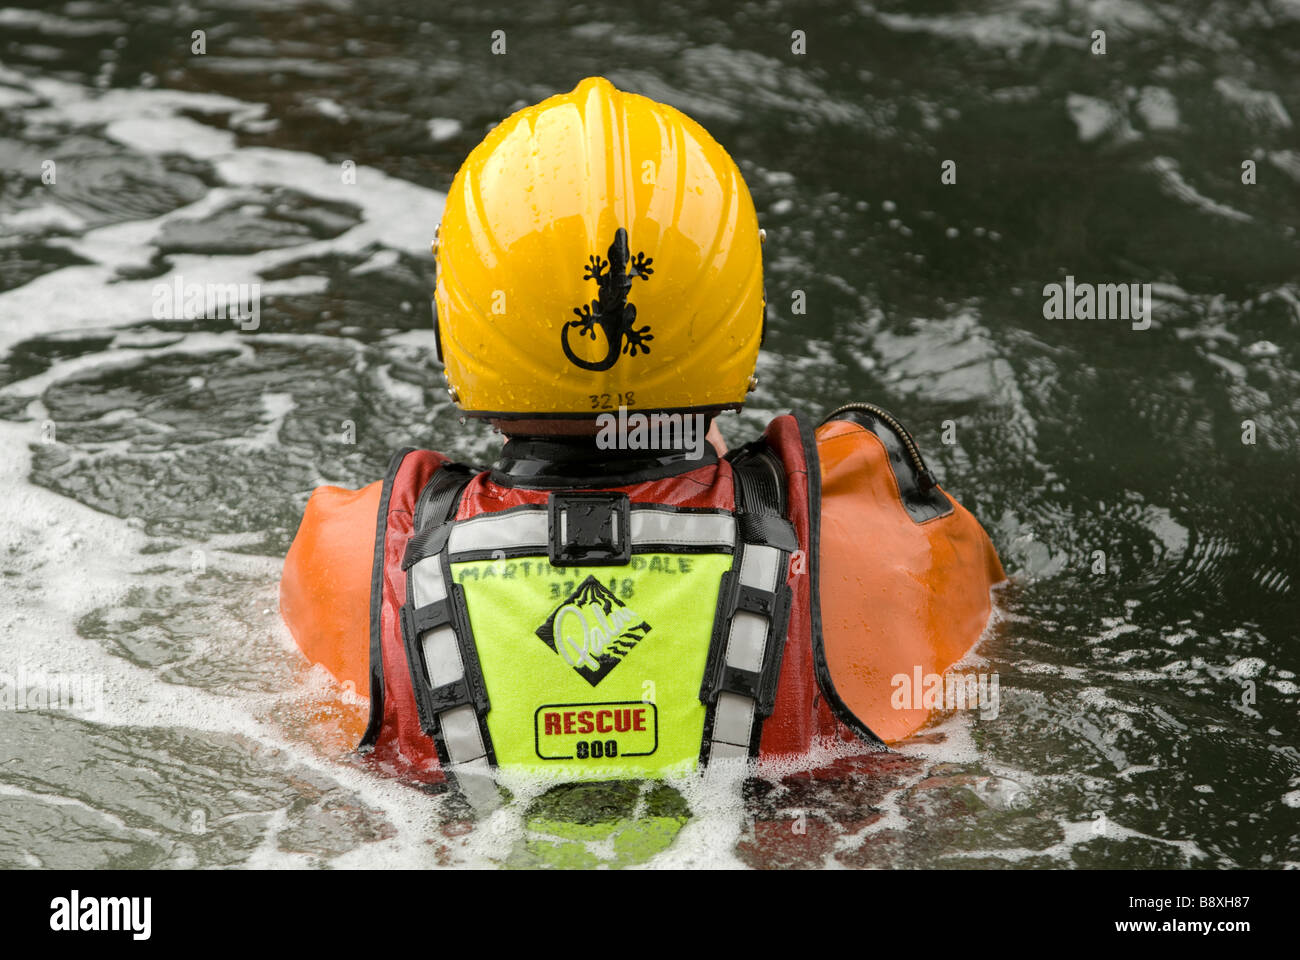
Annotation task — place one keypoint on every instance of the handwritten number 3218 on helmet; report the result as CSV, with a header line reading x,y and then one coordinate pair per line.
x,y
598,249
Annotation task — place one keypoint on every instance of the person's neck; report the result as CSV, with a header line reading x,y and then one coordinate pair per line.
x,y
556,460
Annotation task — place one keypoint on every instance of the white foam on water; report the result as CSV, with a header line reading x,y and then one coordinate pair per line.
x,y
44,536
1264,106
60,534
112,358
53,25
1136,769
410,394
1158,108
1094,117
395,213
709,838
1004,29
443,128
1015,788
1173,182
47,537
112,819
38,219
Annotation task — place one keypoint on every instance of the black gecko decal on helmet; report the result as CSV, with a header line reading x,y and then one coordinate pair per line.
x,y
610,309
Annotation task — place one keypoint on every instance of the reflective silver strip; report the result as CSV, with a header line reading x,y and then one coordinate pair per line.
x,y
441,649
477,784
442,656
747,641
460,734
427,582
683,529
733,720
727,751
758,567
529,529
518,528
733,716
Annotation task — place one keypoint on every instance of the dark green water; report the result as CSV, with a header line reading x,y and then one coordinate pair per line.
x,y
154,471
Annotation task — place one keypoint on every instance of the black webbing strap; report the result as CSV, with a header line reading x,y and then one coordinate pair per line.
x,y
760,489
434,510
760,501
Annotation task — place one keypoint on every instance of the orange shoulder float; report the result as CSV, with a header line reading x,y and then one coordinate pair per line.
x,y
325,587
896,594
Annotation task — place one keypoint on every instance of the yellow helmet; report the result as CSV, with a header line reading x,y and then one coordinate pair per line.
x,y
598,249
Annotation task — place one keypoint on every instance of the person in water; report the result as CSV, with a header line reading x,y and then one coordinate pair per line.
x,y
613,598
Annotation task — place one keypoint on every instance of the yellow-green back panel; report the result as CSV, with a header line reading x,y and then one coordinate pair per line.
x,y
594,671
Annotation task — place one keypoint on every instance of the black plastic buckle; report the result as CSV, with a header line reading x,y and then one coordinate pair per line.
x,y
417,621
589,529
449,696
746,683
755,600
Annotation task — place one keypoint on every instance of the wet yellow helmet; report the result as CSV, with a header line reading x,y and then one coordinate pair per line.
x,y
598,249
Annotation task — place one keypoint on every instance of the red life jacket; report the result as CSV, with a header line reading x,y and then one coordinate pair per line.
x,y
802,707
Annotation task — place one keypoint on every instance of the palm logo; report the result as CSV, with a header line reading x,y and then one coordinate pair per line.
x,y
593,630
